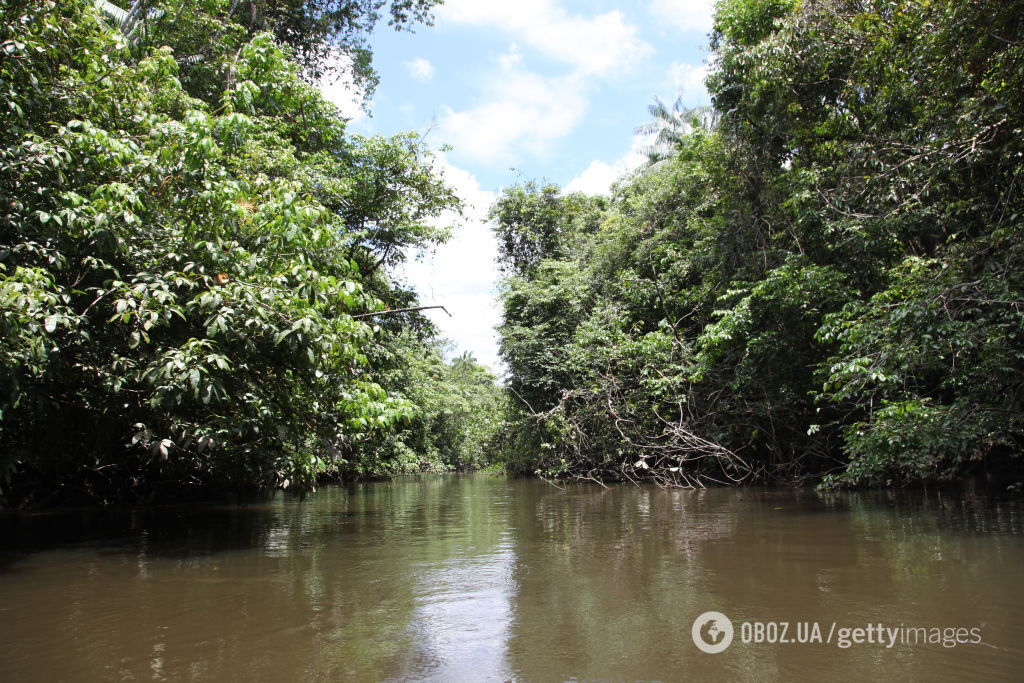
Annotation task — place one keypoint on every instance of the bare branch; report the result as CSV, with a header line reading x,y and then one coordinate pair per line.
x,y
401,310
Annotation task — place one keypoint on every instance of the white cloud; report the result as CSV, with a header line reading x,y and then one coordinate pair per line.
x,y
688,79
511,59
688,15
597,178
594,179
461,275
419,68
597,45
343,92
521,112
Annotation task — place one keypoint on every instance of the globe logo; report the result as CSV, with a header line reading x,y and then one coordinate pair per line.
x,y
712,632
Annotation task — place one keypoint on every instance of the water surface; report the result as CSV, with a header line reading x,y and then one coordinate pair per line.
x,y
484,578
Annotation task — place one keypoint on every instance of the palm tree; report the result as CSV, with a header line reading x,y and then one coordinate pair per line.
x,y
129,21
132,22
670,126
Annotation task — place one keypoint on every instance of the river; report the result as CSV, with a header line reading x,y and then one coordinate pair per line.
x,y
484,578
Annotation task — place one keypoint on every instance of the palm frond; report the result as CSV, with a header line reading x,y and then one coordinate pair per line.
x,y
112,11
670,126
130,22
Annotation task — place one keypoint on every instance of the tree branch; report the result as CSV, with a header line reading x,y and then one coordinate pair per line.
x,y
402,310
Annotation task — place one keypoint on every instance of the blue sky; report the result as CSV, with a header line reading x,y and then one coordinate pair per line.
x,y
534,89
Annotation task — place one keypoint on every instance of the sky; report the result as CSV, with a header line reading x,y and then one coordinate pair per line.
x,y
545,90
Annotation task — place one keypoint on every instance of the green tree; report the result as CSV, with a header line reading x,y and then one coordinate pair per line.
x,y
327,38
184,283
457,410
823,284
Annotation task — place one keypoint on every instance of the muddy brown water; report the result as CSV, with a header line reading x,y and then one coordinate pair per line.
x,y
483,578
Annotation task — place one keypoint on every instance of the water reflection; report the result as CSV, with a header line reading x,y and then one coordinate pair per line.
x,y
470,578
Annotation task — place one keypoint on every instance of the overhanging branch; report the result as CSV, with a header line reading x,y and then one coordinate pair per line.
x,y
401,310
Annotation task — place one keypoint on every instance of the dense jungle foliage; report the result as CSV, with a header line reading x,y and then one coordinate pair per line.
x,y
825,280
817,279
195,257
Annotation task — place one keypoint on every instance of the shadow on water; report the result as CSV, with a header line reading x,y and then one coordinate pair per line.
x,y
182,531
169,531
